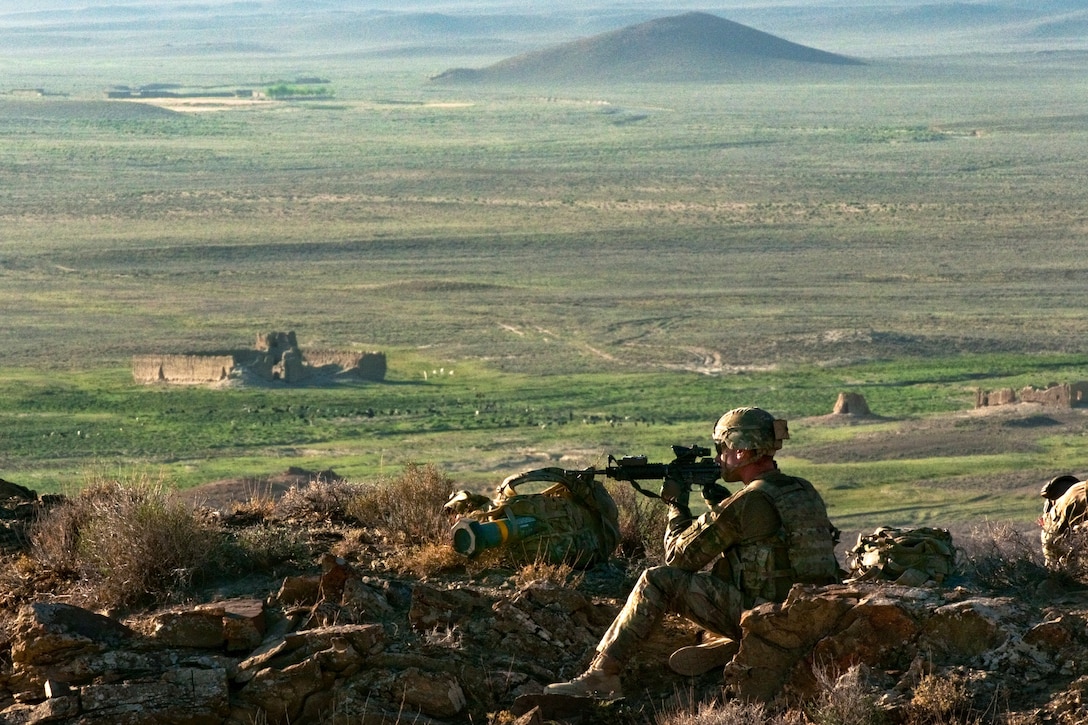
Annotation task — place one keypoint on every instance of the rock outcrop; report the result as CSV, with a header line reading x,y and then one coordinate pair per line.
x,y
346,646
19,507
350,632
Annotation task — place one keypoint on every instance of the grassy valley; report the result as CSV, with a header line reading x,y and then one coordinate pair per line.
x,y
558,271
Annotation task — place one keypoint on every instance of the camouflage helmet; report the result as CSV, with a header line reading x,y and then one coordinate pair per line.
x,y
750,429
1057,486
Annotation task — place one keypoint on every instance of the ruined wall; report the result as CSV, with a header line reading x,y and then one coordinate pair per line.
x,y
276,341
184,369
1062,395
364,365
371,366
276,357
1003,396
1058,395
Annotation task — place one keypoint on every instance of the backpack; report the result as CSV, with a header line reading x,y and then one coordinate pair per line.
x,y
573,521
911,557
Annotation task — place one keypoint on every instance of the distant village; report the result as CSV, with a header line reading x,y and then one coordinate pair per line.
x,y
306,88
276,357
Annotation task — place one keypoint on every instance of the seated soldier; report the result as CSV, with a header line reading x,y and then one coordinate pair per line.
x,y
772,533
1064,514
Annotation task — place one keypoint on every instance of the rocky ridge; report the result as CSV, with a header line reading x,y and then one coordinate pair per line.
x,y
355,639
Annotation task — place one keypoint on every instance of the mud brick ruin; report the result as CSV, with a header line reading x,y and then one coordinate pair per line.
x,y
1064,395
276,357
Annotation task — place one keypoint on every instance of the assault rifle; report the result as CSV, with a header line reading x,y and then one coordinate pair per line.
x,y
693,467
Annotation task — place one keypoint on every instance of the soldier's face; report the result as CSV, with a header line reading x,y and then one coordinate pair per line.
x,y
731,461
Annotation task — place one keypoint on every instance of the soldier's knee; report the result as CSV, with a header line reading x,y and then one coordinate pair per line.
x,y
663,578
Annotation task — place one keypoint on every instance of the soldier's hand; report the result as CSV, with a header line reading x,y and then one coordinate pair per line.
x,y
714,493
674,492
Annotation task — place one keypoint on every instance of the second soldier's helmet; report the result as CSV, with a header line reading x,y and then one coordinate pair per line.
x,y
750,429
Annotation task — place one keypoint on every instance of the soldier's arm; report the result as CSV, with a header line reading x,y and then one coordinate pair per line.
x,y
746,516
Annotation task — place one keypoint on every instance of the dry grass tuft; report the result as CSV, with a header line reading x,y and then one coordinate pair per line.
x,y
407,509
445,637
844,699
941,700
642,524
731,712
543,572
126,542
428,559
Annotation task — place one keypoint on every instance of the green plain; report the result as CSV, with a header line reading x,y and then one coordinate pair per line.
x,y
555,274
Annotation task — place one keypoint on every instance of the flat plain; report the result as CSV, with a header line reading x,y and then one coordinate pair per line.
x,y
556,273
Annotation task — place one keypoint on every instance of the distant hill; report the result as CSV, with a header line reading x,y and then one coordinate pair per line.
x,y
692,46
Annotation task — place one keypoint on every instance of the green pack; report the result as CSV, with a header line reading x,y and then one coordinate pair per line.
x,y
912,557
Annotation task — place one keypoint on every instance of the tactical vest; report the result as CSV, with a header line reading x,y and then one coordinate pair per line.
x,y
801,552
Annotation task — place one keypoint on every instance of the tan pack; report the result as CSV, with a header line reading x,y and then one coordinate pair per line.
x,y
912,557
573,521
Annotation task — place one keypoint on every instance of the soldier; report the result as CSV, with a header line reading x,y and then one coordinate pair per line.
x,y
1064,514
772,533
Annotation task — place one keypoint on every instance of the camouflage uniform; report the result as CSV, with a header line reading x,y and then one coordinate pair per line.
x,y
769,535
1064,513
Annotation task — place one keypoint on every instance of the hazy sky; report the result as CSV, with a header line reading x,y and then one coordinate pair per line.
x,y
21,6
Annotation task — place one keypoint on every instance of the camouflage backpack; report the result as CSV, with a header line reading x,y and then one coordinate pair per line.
x,y
573,521
911,557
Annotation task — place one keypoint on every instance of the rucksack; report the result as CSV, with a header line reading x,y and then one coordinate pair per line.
x,y
911,557
573,521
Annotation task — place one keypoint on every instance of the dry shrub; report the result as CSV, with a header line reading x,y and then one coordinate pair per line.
x,y
55,537
406,509
844,699
322,499
128,542
266,547
642,524
941,700
999,557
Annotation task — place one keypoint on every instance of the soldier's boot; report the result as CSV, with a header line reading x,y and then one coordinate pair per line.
x,y
600,681
703,657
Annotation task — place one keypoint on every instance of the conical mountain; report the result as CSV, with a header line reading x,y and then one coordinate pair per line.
x,y
692,46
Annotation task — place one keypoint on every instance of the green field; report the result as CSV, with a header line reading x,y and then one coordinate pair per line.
x,y
555,274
